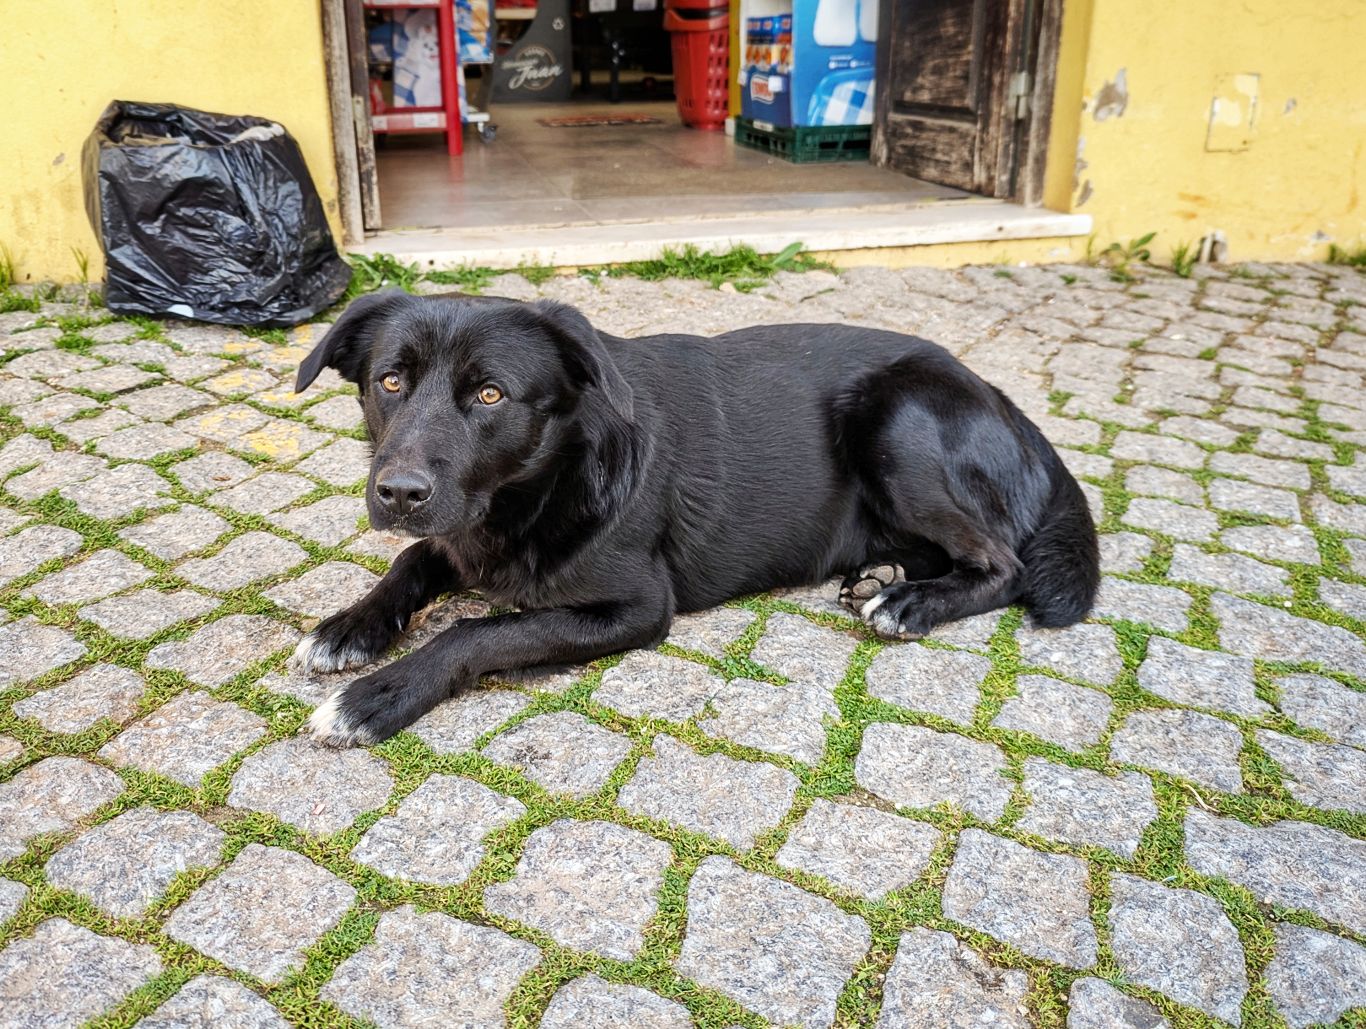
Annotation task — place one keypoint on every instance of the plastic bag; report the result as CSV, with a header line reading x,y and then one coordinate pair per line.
x,y
207,216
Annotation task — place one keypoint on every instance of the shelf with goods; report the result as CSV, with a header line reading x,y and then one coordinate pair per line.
x,y
418,102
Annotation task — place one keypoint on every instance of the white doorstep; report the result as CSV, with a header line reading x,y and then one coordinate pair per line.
x,y
768,232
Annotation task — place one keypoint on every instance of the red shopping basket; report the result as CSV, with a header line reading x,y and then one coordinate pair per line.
x,y
700,33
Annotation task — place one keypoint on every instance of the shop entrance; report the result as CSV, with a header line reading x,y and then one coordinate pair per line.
x,y
589,134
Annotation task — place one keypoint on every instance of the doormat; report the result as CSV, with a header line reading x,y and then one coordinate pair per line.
x,y
578,121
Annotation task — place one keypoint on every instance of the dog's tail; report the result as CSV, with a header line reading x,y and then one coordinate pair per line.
x,y
1062,559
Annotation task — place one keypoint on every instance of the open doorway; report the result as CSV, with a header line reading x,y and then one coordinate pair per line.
x,y
599,139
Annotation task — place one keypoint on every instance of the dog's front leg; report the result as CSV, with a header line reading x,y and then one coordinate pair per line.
x,y
366,629
375,707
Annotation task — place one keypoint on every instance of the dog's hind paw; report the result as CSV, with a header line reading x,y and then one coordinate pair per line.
x,y
857,589
885,614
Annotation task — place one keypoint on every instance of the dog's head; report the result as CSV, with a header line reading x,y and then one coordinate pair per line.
x,y
469,399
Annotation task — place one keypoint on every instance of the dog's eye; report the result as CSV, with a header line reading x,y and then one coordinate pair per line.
x,y
391,383
490,394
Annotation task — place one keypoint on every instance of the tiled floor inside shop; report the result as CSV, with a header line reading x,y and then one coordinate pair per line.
x,y
532,174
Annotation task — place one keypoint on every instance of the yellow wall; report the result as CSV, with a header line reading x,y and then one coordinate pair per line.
x,y
1296,187
64,60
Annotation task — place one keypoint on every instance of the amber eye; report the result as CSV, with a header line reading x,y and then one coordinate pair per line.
x,y
490,394
391,383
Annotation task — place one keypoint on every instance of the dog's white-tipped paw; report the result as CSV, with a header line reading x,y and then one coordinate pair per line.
x,y
884,622
313,655
331,727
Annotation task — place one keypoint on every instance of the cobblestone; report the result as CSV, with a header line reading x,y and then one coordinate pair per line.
x,y
317,788
51,796
917,767
1083,807
222,649
591,1001
715,795
1201,678
423,964
101,691
172,536
796,648
124,865
1185,743
436,834
1247,529
145,613
937,980
260,914
591,886
1179,943
650,684
65,974
212,1000
787,719
102,573
861,849
766,944
942,682
1320,703
1293,864
1036,902
563,752
1326,776
1315,977
1095,1004
248,558
185,738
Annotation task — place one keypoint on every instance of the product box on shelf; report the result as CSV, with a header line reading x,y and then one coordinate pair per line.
x,y
766,72
809,62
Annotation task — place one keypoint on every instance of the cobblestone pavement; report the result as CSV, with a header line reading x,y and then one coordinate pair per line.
x,y
1158,817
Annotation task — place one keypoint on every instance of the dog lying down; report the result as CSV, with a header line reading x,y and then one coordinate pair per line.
x,y
599,485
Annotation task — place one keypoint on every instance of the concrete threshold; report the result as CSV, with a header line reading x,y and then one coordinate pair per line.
x,y
823,229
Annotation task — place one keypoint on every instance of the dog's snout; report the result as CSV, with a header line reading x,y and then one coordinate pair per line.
x,y
403,490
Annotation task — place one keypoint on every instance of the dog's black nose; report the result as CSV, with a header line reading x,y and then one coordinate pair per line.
x,y
403,491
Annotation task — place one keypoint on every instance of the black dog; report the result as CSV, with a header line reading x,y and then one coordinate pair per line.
x,y
601,484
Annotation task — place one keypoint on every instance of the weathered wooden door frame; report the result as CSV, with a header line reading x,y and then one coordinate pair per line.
x,y
353,141
1014,167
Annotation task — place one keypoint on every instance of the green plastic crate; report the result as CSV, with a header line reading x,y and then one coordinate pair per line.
x,y
807,144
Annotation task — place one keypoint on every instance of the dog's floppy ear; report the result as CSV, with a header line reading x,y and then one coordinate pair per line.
x,y
585,355
345,345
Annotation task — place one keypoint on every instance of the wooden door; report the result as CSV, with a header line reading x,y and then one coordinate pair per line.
x,y
359,69
950,77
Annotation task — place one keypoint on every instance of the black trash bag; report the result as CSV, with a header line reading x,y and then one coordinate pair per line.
x,y
207,216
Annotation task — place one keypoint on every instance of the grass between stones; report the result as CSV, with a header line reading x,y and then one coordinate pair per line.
x,y
1159,855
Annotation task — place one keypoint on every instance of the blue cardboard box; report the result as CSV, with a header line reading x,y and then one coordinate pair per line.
x,y
834,52
765,73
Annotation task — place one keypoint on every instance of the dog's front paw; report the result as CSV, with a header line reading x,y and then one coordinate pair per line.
x,y
348,639
374,707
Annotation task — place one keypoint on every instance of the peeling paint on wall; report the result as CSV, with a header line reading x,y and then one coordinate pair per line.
x,y
1233,112
1290,105
1085,193
1113,97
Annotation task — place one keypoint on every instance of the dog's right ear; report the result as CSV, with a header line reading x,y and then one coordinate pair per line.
x,y
347,343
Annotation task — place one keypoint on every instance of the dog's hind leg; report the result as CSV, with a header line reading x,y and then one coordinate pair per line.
x,y
924,560
980,570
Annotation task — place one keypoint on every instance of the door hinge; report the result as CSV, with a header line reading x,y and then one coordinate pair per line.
x,y
1021,85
